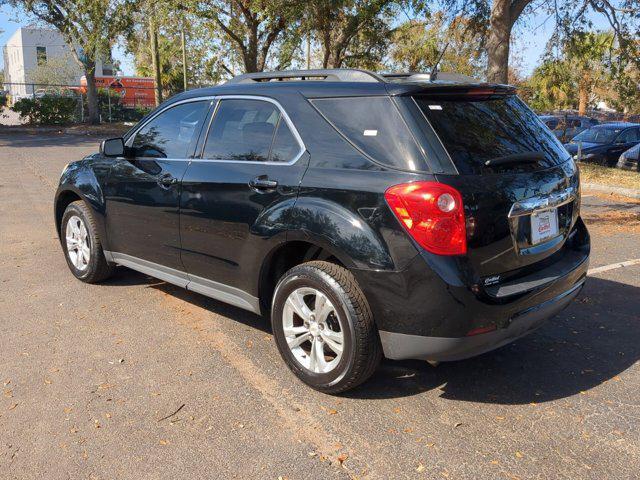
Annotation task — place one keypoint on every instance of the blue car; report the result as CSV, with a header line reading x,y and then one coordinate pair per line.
x,y
603,144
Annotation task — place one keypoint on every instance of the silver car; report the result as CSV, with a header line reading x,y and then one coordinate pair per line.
x,y
630,159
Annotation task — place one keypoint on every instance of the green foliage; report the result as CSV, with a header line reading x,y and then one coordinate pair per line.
x,y
47,110
417,45
551,87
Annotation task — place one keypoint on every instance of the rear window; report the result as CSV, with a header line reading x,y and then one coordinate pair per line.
x,y
476,130
374,125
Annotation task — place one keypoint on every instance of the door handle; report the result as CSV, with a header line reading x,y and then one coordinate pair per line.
x,y
167,180
263,183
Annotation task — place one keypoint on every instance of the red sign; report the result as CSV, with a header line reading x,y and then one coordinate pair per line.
x,y
134,91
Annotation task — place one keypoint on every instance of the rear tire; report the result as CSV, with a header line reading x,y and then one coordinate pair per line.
x,y
324,328
82,246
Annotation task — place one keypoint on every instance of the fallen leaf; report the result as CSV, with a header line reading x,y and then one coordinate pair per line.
x,y
342,457
12,406
519,455
332,412
68,409
47,381
420,468
164,442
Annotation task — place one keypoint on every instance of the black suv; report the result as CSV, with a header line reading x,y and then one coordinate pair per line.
x,y
366,214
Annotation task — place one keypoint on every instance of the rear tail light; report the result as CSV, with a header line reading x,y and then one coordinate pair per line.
x,y
433,215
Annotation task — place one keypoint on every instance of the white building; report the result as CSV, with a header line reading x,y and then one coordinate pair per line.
x,y
31,46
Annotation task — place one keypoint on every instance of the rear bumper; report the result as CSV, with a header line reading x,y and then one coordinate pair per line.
x,y
434,308
402,346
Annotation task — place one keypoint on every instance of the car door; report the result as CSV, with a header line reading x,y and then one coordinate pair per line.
x,y
623,142
235,195
143,190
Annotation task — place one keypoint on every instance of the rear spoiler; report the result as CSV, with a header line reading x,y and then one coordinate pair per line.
x,y
443,90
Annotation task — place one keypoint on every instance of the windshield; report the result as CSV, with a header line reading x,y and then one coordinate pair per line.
x,y
475,130
597,135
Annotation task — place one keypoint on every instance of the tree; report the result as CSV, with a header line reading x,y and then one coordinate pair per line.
x,y
351,32
588,54
500,16
56,71
253,28
417,44
551,87
89,27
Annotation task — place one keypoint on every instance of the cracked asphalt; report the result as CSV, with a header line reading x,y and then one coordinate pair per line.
x,y
137,379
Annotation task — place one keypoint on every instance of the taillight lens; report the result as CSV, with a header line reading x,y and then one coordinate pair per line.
x,y
433,215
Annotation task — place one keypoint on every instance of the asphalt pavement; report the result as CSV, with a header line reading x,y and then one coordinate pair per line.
x,y
137,379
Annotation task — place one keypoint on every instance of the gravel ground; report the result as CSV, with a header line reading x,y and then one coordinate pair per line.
x,y
137,379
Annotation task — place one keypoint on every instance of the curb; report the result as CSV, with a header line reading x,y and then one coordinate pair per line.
x,y
64,130
625,192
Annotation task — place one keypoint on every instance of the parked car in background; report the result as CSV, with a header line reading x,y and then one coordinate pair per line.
x,y
603,144
630,160
565,127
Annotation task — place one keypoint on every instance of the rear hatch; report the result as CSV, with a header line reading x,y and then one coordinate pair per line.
x,y
519,185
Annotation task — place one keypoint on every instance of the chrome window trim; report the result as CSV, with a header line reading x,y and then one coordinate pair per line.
x,y
284,115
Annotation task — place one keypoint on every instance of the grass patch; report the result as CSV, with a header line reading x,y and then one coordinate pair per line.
x,y
614,177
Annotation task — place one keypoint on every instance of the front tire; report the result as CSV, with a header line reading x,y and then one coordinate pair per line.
x,y
324,328
82,246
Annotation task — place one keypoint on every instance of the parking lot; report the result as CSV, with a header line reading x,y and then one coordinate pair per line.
x,y
138,379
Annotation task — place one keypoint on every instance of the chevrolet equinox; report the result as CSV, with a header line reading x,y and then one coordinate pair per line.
x,y
366,214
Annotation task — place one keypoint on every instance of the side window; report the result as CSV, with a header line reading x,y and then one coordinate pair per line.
x,y
242,130
628,136
374,125
169,135
285,146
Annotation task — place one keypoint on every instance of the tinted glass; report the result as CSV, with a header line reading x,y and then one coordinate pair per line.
x,y
285,146
374,125
474,131
242,130
597,135
169,134
628,136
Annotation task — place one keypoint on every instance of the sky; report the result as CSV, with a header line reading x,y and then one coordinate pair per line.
x,y
532,38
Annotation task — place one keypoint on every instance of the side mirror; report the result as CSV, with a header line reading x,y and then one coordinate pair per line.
x,y
112,147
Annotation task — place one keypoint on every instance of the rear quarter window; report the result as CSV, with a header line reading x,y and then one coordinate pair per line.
x,y
375,127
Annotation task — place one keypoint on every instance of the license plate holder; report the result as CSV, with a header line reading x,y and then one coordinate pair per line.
x,y
544,225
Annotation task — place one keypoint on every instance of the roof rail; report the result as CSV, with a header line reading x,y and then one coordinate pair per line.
x,y
327,75
426,77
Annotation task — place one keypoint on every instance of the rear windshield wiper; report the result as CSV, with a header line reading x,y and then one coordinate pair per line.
x,y
526,157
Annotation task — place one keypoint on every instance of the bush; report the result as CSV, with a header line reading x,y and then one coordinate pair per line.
x,y
3,101
47,110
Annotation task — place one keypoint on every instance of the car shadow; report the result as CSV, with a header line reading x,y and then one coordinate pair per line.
x,y
591,342
594,340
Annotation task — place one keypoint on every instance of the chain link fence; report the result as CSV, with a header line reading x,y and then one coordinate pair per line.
x,y
57,104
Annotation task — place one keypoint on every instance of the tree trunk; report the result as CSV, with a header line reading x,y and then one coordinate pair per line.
x,y
583,96
155,60
498,42
93,115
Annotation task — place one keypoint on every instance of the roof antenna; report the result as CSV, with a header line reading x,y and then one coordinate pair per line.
x,y
433,75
